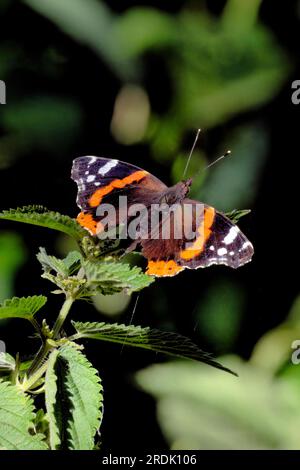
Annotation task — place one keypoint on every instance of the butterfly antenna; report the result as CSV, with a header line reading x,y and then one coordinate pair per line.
x,y
191,153
226,154
131,320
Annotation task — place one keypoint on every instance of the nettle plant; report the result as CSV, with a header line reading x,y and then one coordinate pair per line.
x,y
72,410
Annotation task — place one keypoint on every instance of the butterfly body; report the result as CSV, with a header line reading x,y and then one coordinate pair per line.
x,y
185,233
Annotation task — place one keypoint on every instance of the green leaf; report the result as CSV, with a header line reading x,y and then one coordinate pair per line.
x,y
73,400
63,267
50,399
7,362
89,22
16,419
110,277
39,215
22,307
164,342
81,389
197,408
64,273
236,214
72,261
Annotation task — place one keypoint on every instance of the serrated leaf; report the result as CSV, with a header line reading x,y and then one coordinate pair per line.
x,y
236,214
164,342
64,273
22,307
82,389
110,277
50,399
39,215
60,266
16,419
51,263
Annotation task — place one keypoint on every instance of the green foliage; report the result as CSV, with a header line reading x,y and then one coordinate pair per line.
x,y
273,350
16,418
268,383
143,29
236,214
234,184
64,273
188,394
12,256
23,307
39,215
73,400
7,362
85,394
26,118
52,404
109,277
218,66
154,340
219,314
87,278
88,22
63,267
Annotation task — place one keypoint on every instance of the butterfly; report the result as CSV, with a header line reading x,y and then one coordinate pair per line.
x,y
207,237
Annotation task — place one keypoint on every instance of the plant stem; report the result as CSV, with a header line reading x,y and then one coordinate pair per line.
x,y
62,316
39,359
39,366
28,383
37,327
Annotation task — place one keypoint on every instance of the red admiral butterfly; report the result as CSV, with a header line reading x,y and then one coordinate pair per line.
x,y
216,240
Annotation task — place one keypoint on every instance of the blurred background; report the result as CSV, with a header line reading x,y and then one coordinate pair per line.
x,y
134,80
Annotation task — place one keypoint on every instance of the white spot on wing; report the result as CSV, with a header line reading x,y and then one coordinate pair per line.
x,y
231,235
212,248
222,251
107,167
91,178
246,244
92,159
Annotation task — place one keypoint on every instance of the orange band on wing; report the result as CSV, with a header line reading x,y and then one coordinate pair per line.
x,y
204,231
86,221
163,268
96,198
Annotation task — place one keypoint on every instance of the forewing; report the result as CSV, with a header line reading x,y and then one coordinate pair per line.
x,y
102,180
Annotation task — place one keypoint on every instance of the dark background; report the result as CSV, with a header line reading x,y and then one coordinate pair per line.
x,y
60,101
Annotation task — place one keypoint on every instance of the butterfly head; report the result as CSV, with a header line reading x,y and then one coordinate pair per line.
x,y
175,194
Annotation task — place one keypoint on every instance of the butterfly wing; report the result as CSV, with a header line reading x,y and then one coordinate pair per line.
x,y
218,241
103,180
209,237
